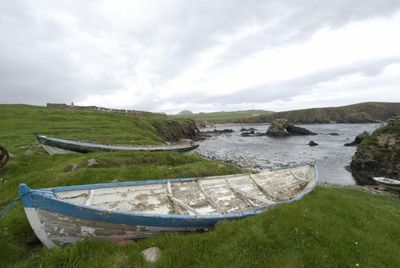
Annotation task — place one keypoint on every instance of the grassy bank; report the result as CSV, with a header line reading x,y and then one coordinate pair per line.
x,y
330,227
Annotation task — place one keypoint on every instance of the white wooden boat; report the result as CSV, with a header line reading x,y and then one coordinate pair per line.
x,y
387,183
61,146
137,209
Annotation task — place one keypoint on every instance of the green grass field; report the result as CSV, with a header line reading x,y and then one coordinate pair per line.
x,y
221,117
331,227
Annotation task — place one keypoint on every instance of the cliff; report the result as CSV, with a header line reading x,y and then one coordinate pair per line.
x,y
378,154
175,130
357,113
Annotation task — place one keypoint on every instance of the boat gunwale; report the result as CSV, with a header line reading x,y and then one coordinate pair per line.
x,y
124,147
48,194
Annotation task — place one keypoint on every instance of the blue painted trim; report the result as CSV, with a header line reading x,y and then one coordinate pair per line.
x,y
45,199
116,184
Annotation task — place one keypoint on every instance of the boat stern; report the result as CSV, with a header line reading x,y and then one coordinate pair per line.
x,y
26,195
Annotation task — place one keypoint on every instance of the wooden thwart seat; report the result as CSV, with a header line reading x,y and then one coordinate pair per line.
x,y
209,198
262,188
176,203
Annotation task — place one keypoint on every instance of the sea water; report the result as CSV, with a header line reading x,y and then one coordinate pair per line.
x,y
331,156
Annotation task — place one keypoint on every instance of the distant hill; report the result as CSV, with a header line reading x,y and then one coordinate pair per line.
x,y
185,112
367,112
222,117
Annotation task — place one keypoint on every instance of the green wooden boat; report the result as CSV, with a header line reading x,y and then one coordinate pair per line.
x,y
59,146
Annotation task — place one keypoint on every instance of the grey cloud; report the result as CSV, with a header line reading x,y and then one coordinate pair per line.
x,y
284,90
45,47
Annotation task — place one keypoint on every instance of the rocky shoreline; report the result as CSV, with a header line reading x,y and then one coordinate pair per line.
x,y
378,155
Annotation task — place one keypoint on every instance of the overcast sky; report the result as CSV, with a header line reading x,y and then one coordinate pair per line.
x,y
200,55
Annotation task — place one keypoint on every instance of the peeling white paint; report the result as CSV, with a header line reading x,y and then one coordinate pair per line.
x,y
204,196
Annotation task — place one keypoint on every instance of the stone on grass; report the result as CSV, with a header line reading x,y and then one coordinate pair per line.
x,y
92,162
151,254
28,152
75,167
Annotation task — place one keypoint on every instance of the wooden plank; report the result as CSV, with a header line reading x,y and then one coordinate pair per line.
x,y
176,202
239,194
89,198
297,177
262,188
209,198
169,194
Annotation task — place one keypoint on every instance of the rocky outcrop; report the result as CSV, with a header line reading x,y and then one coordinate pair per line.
x,y
358,139
218,132
312,143
282,128
175,130
247,129
378,154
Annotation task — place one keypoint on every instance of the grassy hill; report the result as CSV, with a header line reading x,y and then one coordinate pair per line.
x,y
330,227
222,117
356,113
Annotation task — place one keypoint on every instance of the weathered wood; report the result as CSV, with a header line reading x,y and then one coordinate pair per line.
x,y
147,208
268,193
178,202
89,198
240,195
209,198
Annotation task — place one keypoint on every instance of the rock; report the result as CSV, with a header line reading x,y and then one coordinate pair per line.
x,y
358,139
92,163
151,254
333,134
70,168
67,169
379,157
312,143
201,124
245,134
282,128
247,129
218,132
295,130
278,128
75,167
173,130
394,121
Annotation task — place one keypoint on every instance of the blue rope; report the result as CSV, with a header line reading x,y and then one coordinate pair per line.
x,y
5,209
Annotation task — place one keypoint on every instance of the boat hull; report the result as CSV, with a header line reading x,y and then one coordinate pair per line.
x,y
59,229
87,147
68,214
